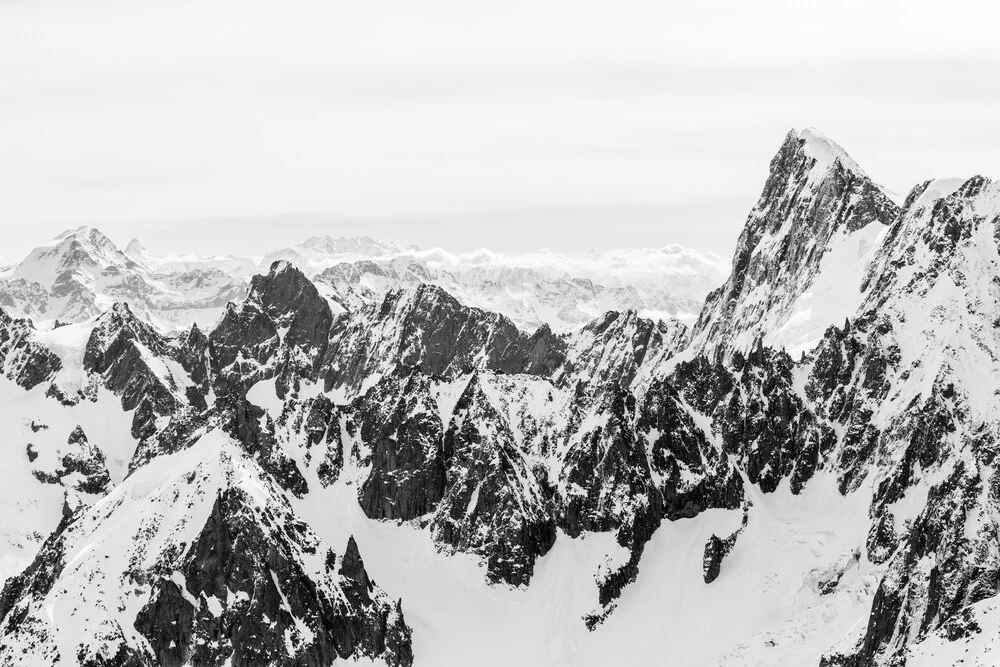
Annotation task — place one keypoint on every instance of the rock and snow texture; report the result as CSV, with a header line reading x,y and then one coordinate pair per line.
x,y
199,559
807,475
800,260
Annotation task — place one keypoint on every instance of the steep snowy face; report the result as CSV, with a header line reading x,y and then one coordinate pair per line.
x,y
933,285
801,258
896,397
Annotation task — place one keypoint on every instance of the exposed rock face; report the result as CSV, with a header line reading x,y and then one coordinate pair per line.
x,y
400,422
429,330
192,354
495,504
22,358
814,194
248,424
84,465
79,465
246,599
136,363
282,328
926,416
759,415
716,549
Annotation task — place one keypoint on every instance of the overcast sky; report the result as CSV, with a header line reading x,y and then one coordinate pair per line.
x,y
239,126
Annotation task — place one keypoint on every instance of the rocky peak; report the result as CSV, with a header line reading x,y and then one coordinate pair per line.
x,y
136,363
282,327
826,155
81,249
428,329
136,252
294,303
283,289
351,565
815,202
117,326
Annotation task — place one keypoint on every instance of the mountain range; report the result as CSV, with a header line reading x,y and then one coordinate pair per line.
x,y
803,473
80,273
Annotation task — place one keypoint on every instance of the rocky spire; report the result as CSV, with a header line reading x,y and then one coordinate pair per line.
x,y
815,194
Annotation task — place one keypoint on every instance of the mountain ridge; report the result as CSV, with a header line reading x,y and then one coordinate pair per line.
x,y
764,488
82,272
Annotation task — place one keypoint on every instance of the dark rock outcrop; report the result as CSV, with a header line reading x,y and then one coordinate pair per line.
x,y
257,605
493,505
401,424
427,329
23,358
281,330
129,356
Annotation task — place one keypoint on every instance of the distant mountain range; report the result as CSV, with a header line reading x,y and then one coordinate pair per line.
x,y
81,272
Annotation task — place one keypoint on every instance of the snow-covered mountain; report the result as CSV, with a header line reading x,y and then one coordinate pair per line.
x,y
82,272
561,291
317,253
801,258
807,476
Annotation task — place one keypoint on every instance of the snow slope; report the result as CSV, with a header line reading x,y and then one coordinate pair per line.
x,y
765,609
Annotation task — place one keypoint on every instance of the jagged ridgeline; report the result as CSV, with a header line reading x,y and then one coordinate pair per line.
x,y
810,467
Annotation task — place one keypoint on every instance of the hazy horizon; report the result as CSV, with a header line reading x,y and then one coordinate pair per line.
x,y
221,127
